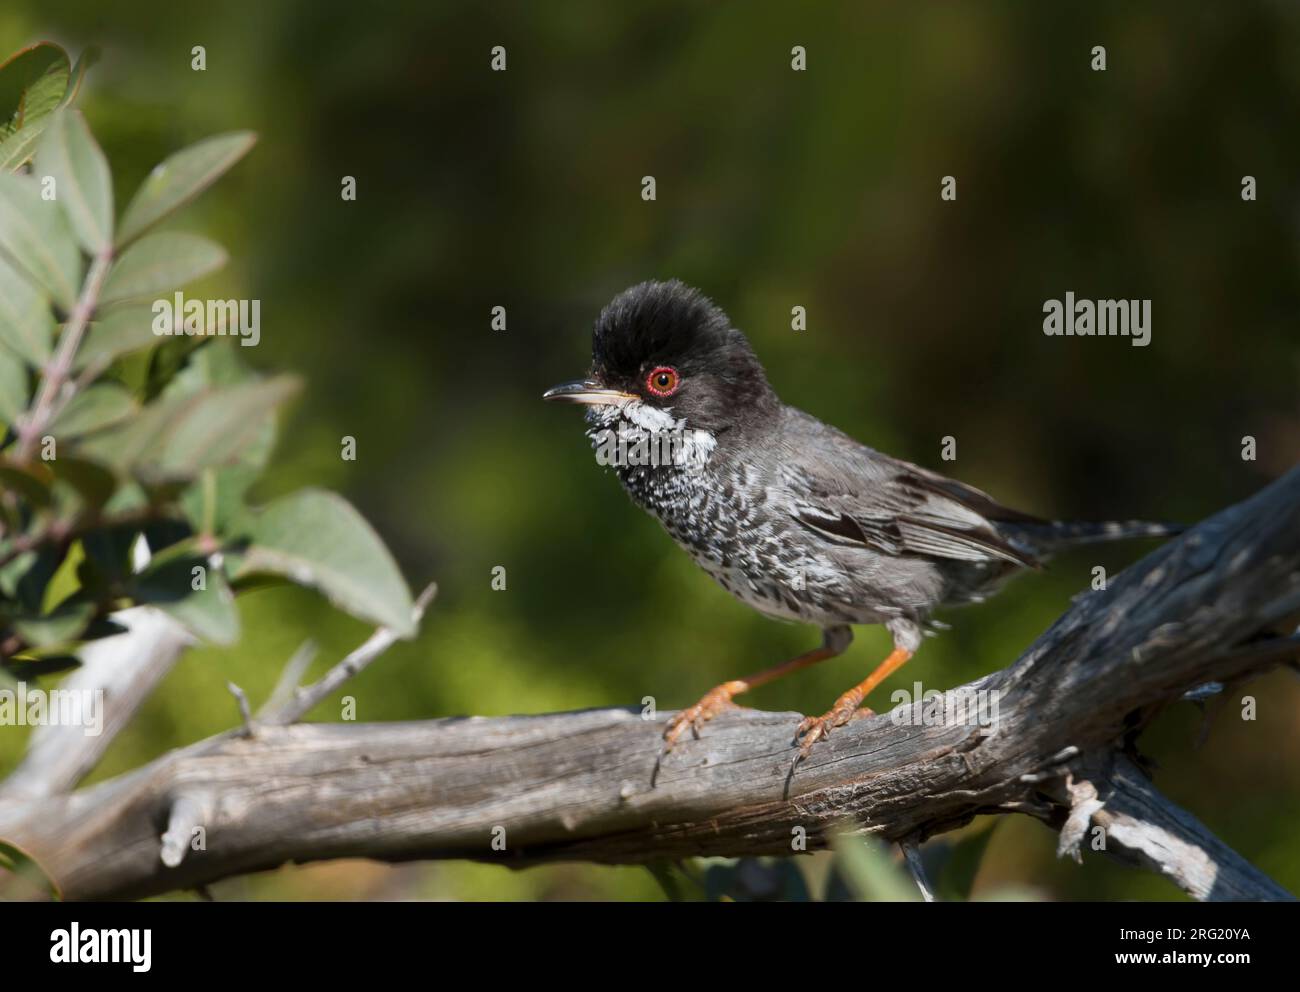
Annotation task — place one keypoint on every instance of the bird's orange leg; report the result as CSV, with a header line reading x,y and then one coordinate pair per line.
x,y
814,728
718,699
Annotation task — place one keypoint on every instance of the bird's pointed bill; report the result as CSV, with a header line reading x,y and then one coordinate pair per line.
x,y
587,392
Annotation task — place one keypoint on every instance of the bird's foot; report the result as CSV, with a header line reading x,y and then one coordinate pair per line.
x,y
715,701
815,728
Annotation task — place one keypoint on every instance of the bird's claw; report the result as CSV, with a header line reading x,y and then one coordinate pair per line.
x,y
815,728
715,701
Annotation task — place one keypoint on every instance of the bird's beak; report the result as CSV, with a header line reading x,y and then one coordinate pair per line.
x,y
588,392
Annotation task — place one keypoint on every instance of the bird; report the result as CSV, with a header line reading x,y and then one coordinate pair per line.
x,y
788,514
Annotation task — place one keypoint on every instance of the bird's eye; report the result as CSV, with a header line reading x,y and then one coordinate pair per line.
x,y
663,381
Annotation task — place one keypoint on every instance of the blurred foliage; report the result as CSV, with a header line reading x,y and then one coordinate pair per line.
x,y
521,189
118,489
22,877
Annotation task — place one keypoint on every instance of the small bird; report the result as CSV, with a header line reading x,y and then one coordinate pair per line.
x,y
788,514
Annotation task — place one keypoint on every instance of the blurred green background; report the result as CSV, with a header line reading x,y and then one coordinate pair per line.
x,y
775,188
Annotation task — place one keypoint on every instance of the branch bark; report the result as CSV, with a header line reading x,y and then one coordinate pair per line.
x,y
1215,605
124,669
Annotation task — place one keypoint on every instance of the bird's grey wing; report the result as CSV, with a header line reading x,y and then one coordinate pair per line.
x,y
938,527
866,498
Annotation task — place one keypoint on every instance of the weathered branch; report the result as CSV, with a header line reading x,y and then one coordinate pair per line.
x,y
1212,606
124,668
1166,839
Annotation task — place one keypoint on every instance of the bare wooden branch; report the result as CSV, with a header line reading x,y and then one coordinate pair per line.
x,y
188,814
1169,840
1215,605
124,669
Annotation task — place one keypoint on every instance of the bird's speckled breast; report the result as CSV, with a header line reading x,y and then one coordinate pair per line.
x,y
719,511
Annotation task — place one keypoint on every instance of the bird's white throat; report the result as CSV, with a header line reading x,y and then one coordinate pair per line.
x,y
633,433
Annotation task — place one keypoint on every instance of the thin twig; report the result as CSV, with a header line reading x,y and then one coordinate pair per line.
x,y
188,812
245,712
912,855
48,399
289,679
307,697
59,531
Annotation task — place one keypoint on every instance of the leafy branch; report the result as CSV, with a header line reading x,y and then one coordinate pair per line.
x,y
133,434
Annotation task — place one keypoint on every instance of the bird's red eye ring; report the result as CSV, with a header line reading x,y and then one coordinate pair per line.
x,y
663,381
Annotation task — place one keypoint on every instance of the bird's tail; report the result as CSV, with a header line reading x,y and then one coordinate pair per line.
x,y
1047,538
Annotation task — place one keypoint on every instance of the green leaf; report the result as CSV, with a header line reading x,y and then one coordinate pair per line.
x,y
88,58
108,555
31,481
22,877
13,387
180,178
159,264
754,880
34,581
70,155
215,365
30,669
222,427
11,573
317,539
168,359
60,626
869,872
26,323
126,445
177,436
93,409
32,85
62,591
965,853
26,84
214,503
35,237
119,332
208,612
92,481
17,151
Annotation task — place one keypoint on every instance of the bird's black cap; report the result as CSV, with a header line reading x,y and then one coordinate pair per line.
x,y
661,322
670,325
